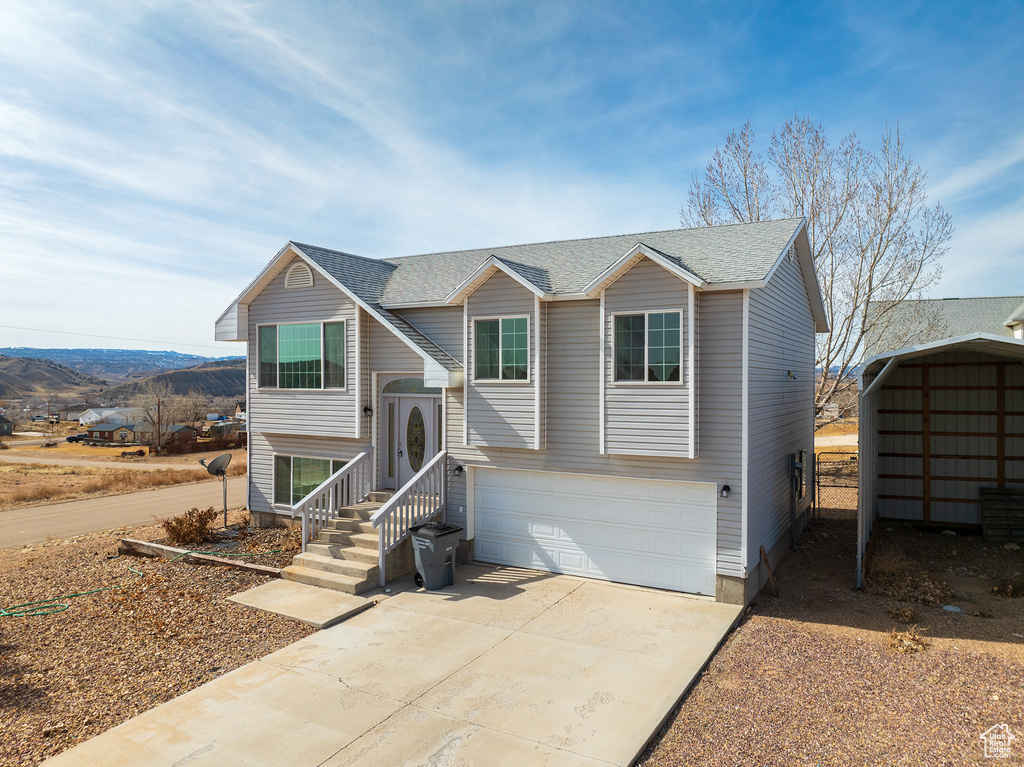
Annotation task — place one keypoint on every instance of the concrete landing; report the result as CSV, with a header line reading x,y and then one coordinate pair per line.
x,y
313,606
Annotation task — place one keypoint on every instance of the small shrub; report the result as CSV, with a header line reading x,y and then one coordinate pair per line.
x,y
243,525
905,615
4,445
909,641
190,528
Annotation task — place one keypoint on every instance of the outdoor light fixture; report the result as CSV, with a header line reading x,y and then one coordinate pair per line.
x,y
725,491
792,375
457,471
367,410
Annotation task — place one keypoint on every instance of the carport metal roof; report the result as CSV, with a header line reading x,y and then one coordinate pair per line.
x,y
873,373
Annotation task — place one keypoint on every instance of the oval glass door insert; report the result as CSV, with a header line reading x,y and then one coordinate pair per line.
x,y
416,438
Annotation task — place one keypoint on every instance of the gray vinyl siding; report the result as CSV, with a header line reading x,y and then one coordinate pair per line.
x,y
958,381
441,324
780,408
646,418
501,413
386,352
263,447
328,412
572,397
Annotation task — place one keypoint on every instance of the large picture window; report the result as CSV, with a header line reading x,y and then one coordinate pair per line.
x,y
502,349
308,355
296,477
647,347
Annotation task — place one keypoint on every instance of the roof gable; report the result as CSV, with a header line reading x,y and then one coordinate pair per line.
x,y
530,278
629,259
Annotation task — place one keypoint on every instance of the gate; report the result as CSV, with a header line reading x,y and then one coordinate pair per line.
x,y
835,485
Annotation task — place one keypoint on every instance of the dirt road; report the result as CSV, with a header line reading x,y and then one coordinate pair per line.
x,y
64,520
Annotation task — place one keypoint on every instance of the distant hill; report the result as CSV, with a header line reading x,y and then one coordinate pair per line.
x,y
220,378
21,376
112,363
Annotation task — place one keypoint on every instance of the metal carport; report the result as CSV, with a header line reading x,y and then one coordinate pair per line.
x,y
938,422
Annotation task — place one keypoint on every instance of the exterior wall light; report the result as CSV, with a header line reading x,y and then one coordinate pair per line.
x,y
726,490
457,471
367,410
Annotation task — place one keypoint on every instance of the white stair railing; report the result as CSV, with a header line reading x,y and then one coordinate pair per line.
x,y
422,498
349,485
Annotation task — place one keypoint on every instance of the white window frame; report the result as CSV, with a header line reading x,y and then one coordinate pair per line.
x,y
323,348
291,473
529,350
647,325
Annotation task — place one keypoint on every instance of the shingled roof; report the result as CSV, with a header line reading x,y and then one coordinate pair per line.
x,y
936,318
737,254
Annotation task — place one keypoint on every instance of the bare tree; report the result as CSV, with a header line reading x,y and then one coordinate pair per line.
x,y
874,236
160,409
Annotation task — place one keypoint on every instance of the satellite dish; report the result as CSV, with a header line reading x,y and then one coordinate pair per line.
x,y
218,466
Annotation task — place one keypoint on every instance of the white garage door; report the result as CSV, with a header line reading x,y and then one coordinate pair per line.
x,y
640,531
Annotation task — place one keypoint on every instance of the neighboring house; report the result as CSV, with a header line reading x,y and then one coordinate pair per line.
x,y
6,427
180,433
917,322
633,408
118,433
110,415
240,409
74,413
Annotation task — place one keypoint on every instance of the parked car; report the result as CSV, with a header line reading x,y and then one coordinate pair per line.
x,y
78,437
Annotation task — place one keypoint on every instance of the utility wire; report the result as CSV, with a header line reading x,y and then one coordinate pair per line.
x,y
112,338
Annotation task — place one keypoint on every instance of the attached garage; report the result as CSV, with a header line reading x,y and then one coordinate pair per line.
x,y
629,530
939,423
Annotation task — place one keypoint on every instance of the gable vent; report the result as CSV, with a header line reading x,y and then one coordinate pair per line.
x,y
299,276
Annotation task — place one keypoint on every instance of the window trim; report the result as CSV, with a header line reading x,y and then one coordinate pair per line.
x,y
529,349
646,382
291,469
323,352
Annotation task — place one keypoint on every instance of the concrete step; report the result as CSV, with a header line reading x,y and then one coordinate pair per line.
x,y
381,496
356,569
326,580
347,525
348,538
339,551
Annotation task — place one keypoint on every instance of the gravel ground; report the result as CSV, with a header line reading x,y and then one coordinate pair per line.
x,y
69,676
809,679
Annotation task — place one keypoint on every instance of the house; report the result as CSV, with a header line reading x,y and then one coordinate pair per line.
x,y
224,429
6,427
637,408
915,322
180,433
240,410
940,427
119,433
74,413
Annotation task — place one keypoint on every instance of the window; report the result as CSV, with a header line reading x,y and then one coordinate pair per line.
x,y
647,347
309,355
296,477
502,349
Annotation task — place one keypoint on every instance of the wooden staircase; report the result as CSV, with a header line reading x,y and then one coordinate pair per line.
x,y
344,556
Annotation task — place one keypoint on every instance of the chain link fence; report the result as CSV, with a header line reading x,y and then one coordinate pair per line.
x,y
835,476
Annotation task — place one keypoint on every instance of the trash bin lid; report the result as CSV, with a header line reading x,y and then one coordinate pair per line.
x,y
435,529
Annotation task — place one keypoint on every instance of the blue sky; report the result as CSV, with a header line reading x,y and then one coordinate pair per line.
x,y
154,156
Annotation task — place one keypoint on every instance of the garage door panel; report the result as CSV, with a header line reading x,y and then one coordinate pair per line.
x,y
647,532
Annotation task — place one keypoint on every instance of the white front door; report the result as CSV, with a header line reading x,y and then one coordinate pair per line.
x,y
411,436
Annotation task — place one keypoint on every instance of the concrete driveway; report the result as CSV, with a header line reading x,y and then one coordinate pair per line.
x,y
507,667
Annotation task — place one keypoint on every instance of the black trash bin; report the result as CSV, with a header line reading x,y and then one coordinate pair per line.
x,y
434,544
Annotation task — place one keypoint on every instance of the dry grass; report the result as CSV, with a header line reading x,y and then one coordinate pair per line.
x,y
79,450
32,484
844,426
909,641
846,450
893,575
904,615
